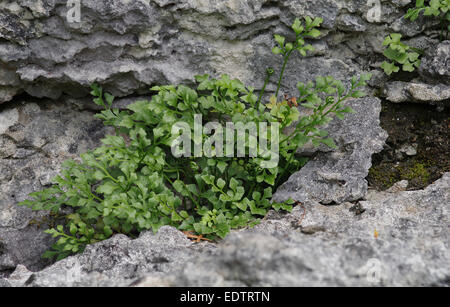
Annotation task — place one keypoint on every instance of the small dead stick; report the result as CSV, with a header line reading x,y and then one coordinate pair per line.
x,y
304,213
197,239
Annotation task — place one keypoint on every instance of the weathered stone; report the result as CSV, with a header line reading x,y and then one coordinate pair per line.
x,y
413,28
399,187
436,65
7,119
7,93
20,276
399,92
399,239
127,46
351,23
409,150
118,261
337,176
4,284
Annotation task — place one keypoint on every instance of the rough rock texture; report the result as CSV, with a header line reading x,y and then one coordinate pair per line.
x,y
339,175
129,45
436,64
35,138
399,91
390,239
118,261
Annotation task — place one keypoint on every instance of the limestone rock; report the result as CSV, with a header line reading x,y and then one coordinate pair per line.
x,y
339,175
127,46
119,261
399,239
415,91
436,65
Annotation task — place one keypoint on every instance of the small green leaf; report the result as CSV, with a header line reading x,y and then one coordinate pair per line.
x,y
234,184
222,166
280,40
221,183
329,142
297,26
109,99
73,229
389,68
358,94
107,188
314,33
107,231
176,217
277,50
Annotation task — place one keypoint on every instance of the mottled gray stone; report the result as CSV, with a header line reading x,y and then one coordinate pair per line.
x,y
337,176
401,239
399,187
118,261
436,64
413,28
398,238
7,93
127,46
351,23
4,284
19,277
415,91
409,150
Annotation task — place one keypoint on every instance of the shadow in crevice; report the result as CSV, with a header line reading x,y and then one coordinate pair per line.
x,y
418,147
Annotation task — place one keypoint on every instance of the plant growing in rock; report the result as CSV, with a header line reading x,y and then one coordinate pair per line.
x,y
436,8
135,182
401,55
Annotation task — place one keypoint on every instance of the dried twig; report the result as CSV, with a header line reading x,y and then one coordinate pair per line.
x,y
197,238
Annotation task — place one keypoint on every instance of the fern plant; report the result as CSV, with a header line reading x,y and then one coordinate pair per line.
x,y
135,182
401,55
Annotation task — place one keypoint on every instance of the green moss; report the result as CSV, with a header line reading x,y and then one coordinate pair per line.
x,y
385,175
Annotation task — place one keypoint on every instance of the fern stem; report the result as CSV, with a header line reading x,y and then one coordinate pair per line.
x,y
269,73
286,60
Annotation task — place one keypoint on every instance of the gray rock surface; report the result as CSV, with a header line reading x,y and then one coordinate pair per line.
x,y
118,261
401,239
126,46
34,140
398,92
395,238
339,175
436,64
